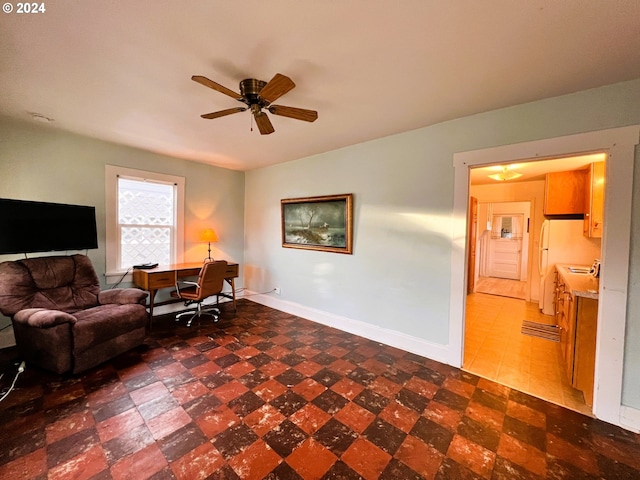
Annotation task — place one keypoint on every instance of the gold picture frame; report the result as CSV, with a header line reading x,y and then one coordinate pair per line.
x,y
322,223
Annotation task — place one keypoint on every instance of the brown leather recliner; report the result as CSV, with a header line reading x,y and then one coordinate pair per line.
x,y
61,320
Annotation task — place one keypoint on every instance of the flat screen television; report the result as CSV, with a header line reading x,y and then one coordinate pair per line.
x,y
27,226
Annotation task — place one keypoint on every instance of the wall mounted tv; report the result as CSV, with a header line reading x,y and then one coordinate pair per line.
x,y
27,227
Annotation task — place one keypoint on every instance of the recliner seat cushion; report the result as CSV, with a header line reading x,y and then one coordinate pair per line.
x,y
102,323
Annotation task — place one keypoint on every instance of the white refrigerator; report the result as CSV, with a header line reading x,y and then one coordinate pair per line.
x,y
562,241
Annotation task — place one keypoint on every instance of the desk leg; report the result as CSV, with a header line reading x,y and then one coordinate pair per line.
x,y
152,296
233,292
231,281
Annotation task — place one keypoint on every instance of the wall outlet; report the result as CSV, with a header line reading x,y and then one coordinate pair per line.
x,y
276,290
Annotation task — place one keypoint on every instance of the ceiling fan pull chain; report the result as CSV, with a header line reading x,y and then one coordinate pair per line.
x,y
251,124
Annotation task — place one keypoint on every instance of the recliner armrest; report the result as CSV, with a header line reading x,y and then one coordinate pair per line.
x,y
43,317
122,296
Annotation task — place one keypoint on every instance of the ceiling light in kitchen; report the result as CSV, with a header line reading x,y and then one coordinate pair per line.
x,y
505,174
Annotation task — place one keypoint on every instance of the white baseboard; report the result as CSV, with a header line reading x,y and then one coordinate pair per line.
x,y
386,336
630,418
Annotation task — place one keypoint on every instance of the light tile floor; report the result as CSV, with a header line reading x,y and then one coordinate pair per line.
x,y
497,350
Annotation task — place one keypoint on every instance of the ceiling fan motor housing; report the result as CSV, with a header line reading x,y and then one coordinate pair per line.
x,y
250,89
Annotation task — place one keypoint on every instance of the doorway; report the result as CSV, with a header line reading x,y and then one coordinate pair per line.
x,y
620,144
502,301
503,249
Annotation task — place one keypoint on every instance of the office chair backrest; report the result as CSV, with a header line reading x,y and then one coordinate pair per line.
x,y
211,279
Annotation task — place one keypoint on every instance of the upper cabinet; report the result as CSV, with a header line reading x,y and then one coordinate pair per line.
x,y
565,193
594,200
578,192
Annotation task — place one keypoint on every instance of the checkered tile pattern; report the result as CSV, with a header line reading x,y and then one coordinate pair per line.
x,y
267,395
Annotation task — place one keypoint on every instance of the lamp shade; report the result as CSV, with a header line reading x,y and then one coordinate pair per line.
x,y
209,235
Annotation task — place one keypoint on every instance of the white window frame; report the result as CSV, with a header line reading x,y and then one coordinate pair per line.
x,y
112,172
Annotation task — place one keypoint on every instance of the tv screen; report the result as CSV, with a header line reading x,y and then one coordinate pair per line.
x,y
27,226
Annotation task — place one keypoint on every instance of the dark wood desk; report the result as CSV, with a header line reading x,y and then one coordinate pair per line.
x,y
164,276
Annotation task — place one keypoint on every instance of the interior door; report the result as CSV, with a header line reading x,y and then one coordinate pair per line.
x,y
505,246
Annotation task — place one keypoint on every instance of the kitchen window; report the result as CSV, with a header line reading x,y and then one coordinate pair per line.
x,y
507,226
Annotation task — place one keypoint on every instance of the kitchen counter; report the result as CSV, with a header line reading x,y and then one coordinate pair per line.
x,y
580,285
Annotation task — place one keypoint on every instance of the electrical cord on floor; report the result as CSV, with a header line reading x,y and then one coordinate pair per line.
x,y
252,294
13,384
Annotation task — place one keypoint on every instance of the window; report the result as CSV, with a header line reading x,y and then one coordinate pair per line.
x,y
146,222
144,218
507,226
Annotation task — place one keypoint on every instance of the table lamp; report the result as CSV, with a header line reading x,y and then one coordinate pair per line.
x,y
209,235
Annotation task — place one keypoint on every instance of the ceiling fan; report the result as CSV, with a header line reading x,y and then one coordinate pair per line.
x,y
258,95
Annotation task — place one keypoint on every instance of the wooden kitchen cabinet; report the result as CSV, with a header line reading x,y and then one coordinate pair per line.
x,y
594,200
577,319
585,350
565,319
564,193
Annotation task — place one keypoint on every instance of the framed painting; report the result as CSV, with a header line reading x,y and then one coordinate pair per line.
x,y
318,223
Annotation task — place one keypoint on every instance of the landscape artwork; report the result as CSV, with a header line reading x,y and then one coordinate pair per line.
x,y
318,223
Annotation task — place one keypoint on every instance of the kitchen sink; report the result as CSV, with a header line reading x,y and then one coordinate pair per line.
x,y
579,270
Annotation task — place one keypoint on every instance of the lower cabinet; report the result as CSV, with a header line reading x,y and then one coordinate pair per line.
x,y
585,356
566,321
577,318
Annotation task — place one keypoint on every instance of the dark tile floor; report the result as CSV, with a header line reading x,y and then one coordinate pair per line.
x,y
267,395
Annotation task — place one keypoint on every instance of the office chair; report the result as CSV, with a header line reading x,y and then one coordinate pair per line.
x,y
210,282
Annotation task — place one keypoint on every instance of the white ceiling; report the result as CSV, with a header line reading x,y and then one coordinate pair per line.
x,y
120,70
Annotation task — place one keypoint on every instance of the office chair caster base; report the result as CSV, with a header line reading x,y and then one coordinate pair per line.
x,y
213,312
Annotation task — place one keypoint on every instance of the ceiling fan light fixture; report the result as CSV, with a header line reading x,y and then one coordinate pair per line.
x,y
505,175
255,109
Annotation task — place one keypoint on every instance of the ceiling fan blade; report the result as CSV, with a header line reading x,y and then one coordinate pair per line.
x,y
216,86
222,113
264,124
277,86
293,112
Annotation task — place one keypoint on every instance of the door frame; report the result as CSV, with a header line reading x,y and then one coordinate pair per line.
x,y
619,144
